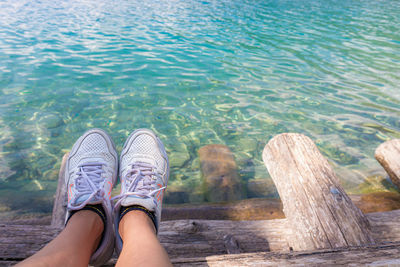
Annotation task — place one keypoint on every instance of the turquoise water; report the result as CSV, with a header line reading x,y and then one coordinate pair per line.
x,y
196,72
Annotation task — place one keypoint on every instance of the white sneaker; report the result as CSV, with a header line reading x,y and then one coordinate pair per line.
x,y
90,174
144,172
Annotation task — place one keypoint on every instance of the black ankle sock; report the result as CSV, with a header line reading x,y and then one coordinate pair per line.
x,y
125,210
98,209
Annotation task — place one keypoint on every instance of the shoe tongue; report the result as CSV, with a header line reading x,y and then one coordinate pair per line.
x,y
83,198
147,160
90,160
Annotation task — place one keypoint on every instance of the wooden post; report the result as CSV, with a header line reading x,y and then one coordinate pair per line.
x,y
60,201
319,212
388,155
219,172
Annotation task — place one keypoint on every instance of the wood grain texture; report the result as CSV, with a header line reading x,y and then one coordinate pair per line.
x,y
378,255
388,155
60,201
197,238
318,210
374,255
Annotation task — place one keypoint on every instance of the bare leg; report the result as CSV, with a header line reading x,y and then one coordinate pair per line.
x,y
140,244
74,245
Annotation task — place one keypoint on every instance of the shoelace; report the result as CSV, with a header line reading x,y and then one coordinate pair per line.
x,y
89,181
139,181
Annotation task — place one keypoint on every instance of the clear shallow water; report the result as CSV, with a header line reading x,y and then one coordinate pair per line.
x,y
196,72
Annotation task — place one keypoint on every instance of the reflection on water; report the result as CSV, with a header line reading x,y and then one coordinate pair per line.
x,y
196,72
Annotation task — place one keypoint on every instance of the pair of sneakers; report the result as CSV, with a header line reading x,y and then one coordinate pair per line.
x,y
91,173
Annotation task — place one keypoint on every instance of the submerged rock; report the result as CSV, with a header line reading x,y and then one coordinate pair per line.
x,y
261,188
178,157
336,154
51,121
374,184
176,195
5,170
246,209
248,145
219,172
4,207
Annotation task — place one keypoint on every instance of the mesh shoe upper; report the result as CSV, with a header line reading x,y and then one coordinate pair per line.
x,y
143,147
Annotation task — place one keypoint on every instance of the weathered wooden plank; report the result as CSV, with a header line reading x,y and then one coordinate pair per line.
x,y
378,255
60,202
318,210
373,255
388,155
197,238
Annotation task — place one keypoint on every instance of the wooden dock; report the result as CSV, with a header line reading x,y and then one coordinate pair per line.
x,y
322,225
